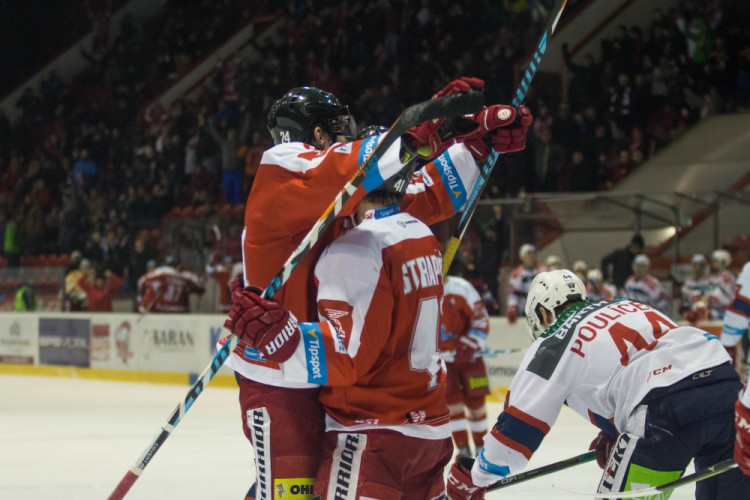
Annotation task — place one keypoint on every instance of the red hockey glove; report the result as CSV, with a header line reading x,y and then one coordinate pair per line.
x,y
460,486
236,284
742,443
512,315
463,84
501,127
602,444
263,324
467,348
431,138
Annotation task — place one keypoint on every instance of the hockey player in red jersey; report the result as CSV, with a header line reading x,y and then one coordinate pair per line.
x,y
662,395
464,328
297,179
375,353
167,289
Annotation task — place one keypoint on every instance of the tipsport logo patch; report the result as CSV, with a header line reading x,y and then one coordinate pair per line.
x,y
451,180
373,178
315,354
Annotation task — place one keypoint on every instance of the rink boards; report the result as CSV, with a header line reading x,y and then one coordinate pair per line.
x,y
170,348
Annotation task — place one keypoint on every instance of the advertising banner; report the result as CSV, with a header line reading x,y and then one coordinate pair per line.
x,y
64,341
506,346
18,339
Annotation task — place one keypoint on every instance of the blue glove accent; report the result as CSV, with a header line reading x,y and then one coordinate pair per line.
x,y
489,467
478,334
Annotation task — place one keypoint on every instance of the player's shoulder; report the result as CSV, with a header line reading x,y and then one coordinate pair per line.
x,y
651,282
727,277
456,285
292,156
456,281
518,271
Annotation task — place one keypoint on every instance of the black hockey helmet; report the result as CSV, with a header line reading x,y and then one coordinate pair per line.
x,y
293,117
372,130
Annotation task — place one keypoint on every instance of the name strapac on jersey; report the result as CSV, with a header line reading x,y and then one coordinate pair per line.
x,y
422,272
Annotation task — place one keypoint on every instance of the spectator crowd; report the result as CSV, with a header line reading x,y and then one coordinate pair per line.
x,y
93,163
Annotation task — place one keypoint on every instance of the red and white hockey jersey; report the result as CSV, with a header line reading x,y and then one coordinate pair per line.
x,y
601,359
167,290
722,293
647,290
294,185
463,315
374,350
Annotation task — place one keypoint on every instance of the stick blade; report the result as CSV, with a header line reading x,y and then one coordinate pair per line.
x,y
443,107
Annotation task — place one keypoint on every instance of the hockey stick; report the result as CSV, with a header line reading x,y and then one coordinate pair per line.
x,y
543,471
448,106
486,169
700,475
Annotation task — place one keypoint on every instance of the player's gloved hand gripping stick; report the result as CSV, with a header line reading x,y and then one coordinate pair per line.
x,y
370,177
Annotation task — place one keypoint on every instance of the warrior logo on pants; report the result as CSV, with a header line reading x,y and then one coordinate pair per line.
x,y
260,425
345,467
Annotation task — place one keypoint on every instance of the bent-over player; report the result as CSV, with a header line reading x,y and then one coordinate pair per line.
x,y
662,395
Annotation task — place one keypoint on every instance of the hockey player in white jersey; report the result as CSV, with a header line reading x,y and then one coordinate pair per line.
x,y
723,281
644,287
520,279
662,395
736,324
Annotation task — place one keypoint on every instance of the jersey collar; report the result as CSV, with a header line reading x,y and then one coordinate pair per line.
x,y
563,317
379,213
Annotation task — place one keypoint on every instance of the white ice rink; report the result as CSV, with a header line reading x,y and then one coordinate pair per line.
x,y
66,438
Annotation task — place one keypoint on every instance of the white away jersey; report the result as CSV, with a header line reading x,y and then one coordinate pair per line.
x,y
519,283
647,290
737,316
600,359
375,348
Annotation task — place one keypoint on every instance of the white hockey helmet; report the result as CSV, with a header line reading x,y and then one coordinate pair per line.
x,y
550,289
553,262
525,249
721,257
698,259
580,266
594,276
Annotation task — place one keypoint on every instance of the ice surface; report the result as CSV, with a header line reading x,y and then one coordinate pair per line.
x,y
74,439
